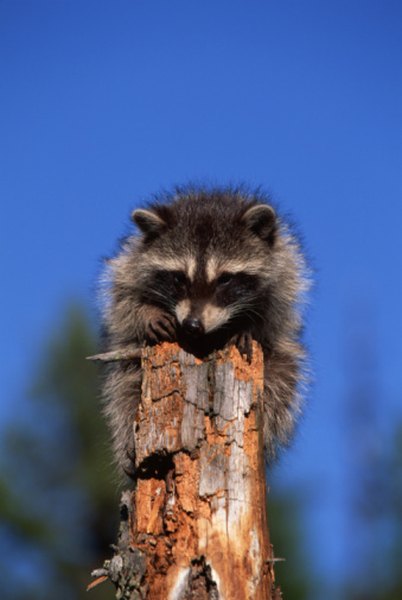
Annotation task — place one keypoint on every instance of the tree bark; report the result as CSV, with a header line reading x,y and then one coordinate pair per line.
x,y
195,526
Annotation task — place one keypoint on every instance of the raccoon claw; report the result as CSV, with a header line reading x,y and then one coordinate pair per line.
x,y
131,455
161,329
244,344
130,470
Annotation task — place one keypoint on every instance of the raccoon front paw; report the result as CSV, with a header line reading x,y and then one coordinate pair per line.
x,y
244,344
161,328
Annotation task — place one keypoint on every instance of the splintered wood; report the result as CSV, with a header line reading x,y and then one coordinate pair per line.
x,y
198,513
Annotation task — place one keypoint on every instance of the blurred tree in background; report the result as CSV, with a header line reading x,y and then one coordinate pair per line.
x,y
380,516
373,477
293,574
59,495
394,497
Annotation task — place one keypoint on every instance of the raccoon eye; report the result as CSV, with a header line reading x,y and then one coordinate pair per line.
x,y
224,279
179,278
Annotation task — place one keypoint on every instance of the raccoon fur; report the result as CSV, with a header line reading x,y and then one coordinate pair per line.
x,y
209,268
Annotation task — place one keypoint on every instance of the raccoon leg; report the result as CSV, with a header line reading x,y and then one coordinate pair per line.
x,y
122,394
281,393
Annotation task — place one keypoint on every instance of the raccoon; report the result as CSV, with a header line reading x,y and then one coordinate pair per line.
x,y
210,267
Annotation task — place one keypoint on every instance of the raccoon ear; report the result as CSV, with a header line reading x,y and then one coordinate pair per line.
x,y
148,222
261,220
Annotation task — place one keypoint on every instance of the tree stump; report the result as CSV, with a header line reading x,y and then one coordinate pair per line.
x,y
195,526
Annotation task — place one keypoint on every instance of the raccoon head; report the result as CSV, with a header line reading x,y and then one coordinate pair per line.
x,y
206,263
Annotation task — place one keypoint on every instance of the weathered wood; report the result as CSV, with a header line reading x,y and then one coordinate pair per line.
x,y
196,522
116,355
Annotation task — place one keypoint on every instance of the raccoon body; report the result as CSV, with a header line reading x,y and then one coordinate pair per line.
x,y
210,268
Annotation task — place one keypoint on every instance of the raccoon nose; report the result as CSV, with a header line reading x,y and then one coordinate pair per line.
x,y
193,326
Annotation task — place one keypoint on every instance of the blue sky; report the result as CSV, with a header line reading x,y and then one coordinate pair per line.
x,y
103,103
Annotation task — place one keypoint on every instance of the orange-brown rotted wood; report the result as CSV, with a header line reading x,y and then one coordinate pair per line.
x,y
200,502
